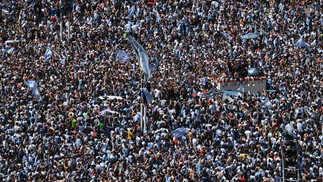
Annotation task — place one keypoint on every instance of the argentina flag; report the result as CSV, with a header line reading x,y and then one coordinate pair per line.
x,y
48,54
33,87
10,51
198,167
266,104
157,17
63,59
131,11
148,98
31,84
37,95
303,44
123,56
179,132
141,55
144,64
250,36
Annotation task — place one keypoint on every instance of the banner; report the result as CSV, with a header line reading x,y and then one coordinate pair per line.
x,y
151,2
33,87
179,132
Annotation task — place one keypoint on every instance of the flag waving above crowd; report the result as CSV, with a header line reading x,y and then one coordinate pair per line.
x,y
48,54
141,55
123,56
33,87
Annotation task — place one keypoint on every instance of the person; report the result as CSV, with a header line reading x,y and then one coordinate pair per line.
x,y
81,120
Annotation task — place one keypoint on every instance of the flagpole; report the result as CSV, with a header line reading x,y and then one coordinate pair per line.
x,y
141,116
145,109
145,118
141,106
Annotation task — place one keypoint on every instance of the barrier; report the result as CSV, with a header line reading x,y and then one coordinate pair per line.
x,y
248,84
151,2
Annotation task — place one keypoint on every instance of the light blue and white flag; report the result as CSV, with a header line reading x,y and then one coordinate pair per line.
x,y
271,91
10,51
63,59
157,17
89,21
303,44
266,104
37,94
136,44
289,128
226,97
131,11
36,161
144,63
123,56
179,132
33,87
241,88
148,98
48,54
262,98
141,55
31,84
250,36
198,167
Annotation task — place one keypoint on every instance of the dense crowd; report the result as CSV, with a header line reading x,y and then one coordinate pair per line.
x,y
66,136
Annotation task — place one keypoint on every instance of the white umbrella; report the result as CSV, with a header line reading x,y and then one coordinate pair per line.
x,y
111,97
208,125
